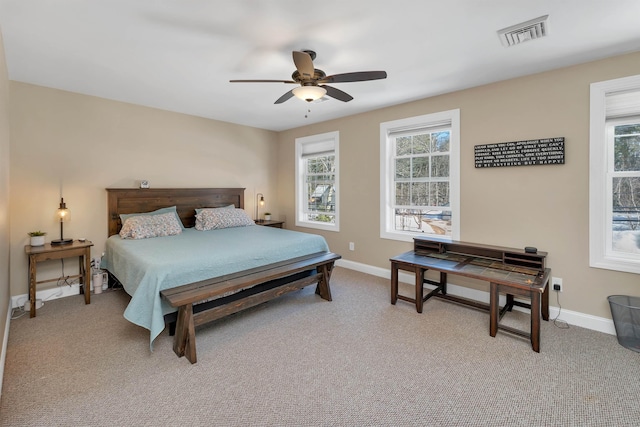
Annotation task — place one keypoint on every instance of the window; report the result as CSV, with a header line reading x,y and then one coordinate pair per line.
x,y
317,181
614,181
420,177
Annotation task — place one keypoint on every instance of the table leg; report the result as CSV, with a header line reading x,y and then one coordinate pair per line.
x,y
32,286
419,289
494,308
443,283
85,271
394,283
535,321
545,302
510,300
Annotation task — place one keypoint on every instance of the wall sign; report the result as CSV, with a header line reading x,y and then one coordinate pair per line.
x,y
548,151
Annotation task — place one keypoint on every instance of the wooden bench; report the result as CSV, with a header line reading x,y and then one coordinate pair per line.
x,y
235,292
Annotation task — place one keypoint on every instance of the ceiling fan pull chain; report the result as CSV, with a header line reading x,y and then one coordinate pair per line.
x,y
308,112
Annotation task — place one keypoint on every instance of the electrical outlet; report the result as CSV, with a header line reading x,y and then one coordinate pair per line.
x,y
352,246
556,284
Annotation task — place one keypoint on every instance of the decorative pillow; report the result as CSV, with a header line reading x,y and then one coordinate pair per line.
x,y
124,217
210,219
146,226
198,210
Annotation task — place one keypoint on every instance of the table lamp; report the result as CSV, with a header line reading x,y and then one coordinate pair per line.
x,y
259,202
63,215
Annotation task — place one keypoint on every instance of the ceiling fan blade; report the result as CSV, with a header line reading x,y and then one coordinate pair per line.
x,y
284,97
304,64
337,94
261,81
358,76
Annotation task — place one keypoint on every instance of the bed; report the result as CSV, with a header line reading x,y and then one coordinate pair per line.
x,y
221,266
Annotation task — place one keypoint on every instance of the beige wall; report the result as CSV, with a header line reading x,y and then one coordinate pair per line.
x,y
92,144
542,206
4,194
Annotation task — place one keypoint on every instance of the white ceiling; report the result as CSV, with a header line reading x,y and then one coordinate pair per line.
x,y
180,55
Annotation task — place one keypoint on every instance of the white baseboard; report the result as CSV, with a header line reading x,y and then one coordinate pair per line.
x,y
47,294
5,342
576,318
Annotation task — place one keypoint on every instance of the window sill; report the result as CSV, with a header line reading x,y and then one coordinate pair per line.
x,y
408,236
318,225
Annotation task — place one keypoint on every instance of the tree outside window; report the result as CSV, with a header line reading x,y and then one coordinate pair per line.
x,y
420,176
422,182
317,181
320,189
625,185
614,174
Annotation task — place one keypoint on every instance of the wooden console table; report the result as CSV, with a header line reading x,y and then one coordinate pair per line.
x,y
82,250
510,271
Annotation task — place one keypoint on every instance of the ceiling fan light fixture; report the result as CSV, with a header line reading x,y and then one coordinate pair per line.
x,y
309,93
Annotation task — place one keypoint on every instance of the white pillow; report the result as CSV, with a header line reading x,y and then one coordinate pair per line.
x,y
124,217
146,226
198,210
211,219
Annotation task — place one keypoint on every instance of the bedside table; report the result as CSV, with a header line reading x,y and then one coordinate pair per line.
x,y
82,250
269,223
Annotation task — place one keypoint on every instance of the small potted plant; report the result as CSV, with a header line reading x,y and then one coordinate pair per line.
x,y
37,238
267,216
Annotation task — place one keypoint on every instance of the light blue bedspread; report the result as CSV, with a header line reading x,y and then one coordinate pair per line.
x,y
147,266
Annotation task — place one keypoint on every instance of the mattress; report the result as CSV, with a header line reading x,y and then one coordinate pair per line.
x,y
147,266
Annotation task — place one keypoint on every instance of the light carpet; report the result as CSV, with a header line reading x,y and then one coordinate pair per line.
x,y
302,361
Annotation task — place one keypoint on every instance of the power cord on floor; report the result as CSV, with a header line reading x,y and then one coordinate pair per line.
x,y
63,280
557,322
20,309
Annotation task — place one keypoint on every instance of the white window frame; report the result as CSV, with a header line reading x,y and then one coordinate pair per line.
x,y
600,191
326,140
387,217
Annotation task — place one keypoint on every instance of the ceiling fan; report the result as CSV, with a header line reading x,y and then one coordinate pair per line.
x,y
313,81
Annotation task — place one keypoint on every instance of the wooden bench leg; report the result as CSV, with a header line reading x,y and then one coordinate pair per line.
x,y
184,341
323,289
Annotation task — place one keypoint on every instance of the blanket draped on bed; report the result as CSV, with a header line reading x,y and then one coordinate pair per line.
x,y
147,266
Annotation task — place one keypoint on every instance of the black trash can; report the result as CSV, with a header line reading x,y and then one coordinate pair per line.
x,y
625,311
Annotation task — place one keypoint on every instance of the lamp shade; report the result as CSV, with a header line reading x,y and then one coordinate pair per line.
x,y
309,93
63,214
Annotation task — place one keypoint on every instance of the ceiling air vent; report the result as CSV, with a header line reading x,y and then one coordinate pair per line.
x,y
520,33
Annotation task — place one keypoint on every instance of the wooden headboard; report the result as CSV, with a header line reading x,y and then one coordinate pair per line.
x,y
186,200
